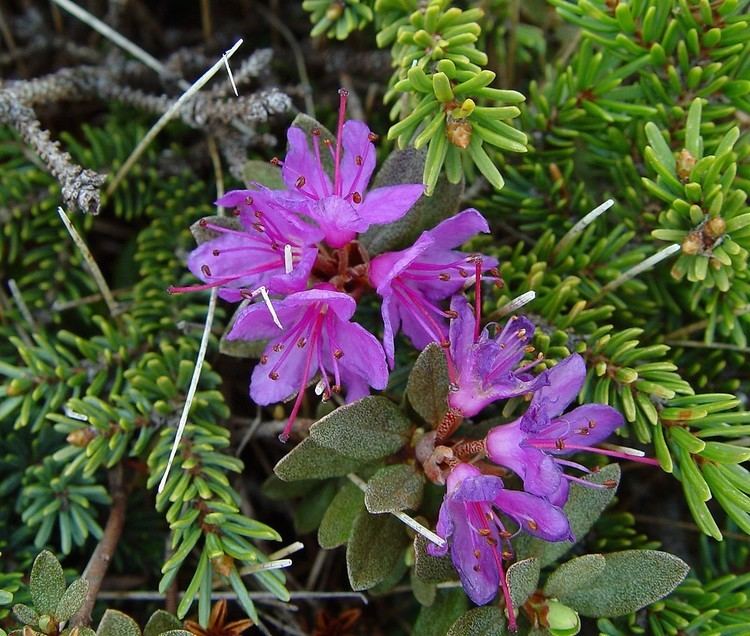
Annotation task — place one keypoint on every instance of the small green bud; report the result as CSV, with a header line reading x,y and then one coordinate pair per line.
x,y
562,620
47,624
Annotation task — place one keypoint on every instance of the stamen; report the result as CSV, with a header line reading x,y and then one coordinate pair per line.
x,y
477,297
344,94
305,372
356,197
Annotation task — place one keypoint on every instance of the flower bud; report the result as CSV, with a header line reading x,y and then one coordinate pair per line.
x,y
223,564
691,244
459,133
715,227
47,624
562,620
685,164
334,11
80,437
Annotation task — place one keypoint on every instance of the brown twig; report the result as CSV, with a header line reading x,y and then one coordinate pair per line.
x,y
101,558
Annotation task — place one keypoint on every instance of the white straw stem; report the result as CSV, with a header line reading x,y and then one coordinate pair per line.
x,y
231,77
285,552
262,567
402,516
574,232
115,37
164,119
516,304
640,268
193,387
88,258
266,299
15,292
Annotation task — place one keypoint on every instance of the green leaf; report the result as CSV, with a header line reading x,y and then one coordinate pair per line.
x,y
584,507
661,148
375,547
574,575
407,166
629,581
26,614
336,525
437,619
367,429
160,623
116,623
522,578
47,583
262,172
72,599
394,488
429,568
310,460
427,387
424,592
480,621
309,512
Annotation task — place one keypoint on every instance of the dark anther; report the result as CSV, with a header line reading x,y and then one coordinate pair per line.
x,y
485,532
273,375
357,197
215,252
300,181
236,212
451,314
301,343
316,132
248,200
264,359
338,354
275,161
462,272
203,223
372,137
560,444
279,346
444,276
358,160
206,270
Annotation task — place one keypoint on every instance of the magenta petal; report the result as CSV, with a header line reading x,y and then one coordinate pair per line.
x,y
599,420
536,515
387,266
342,304
300,161
264,390
338,219
480,577
413,325
355,175
564,382
391,325
389,203
235,198
458,229
255,321
560,497
296,280
462,331
363,355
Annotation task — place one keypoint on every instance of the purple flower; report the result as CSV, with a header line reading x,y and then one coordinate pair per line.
x,y
486,366
412,280
530,446
318,337
475,534
342,207
266,246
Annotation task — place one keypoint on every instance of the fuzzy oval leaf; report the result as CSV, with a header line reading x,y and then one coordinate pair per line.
x,y
407,166
239,348
584,507
629,581
72,599
424,592
374,549
310,460
437,619
429,568
574,575
367,429
427,387
47,583
162,622
522,578
480,621
203,234
263,172
394,488
116,623
336,525
26,614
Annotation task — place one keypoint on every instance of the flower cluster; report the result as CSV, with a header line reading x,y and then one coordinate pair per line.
x,y
487,366
298,248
